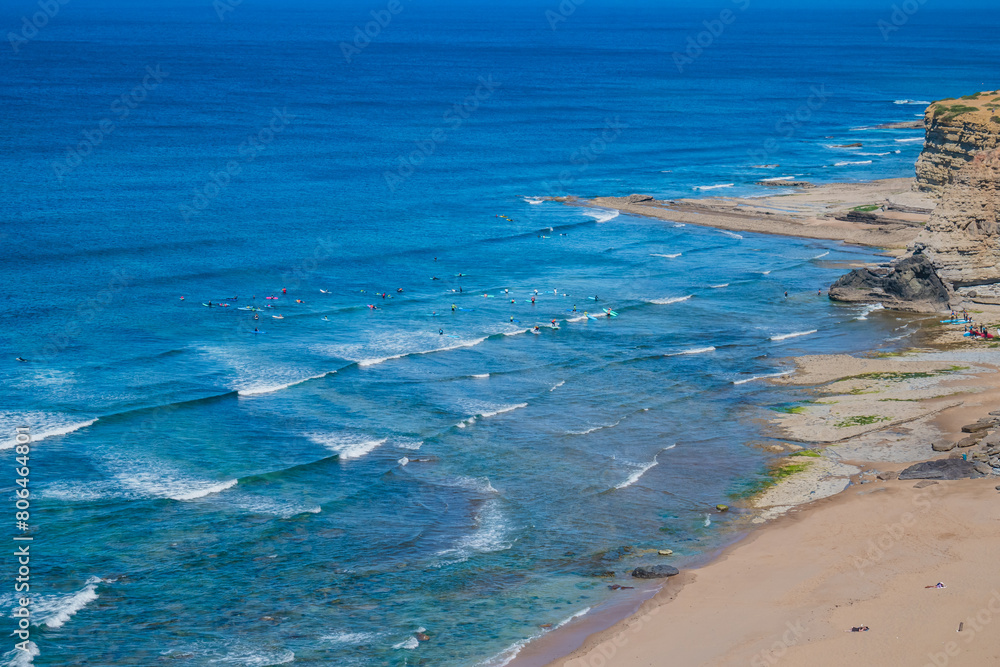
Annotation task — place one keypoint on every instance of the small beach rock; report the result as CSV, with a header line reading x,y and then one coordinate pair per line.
x,y
887,475
969,441
981,425
722,508
940,469
983,468
923,484
666,552
654,571
943,446
638,199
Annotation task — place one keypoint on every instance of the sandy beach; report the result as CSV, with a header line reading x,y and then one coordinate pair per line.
x,y
847,545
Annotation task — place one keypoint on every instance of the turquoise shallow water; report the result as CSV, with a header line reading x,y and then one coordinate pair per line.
x,y
318,492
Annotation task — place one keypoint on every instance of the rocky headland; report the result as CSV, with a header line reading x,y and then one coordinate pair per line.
x,y
955,259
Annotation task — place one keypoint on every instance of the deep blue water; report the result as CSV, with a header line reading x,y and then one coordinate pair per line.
x,y
318,492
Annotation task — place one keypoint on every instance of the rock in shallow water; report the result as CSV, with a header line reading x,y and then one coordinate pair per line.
x,y
654,571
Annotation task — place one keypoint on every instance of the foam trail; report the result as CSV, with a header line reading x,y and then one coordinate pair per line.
x,y
795,334
699,350
674,256
534,200
868,310
760,377
378,360
601,215
506,656
56,611
350,638
557,385
731,234
18,658
668,300
267,389
594,428
46,431
847,164
200,493
634,477
719,286
481,376
822,255
713,187
347,447
911,102
708,521
766,273
777,178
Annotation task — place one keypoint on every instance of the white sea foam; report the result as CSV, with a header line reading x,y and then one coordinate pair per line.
x,y
766,273
42,425
639,472
680,224
719,286
708,521
250,657
730,234
822,255
202,492
158,482
699,350
592,429
925,103
878,154
268,388
671,299
601,215
347,446
350,638
408,644
713,187
506,656
778,178
846,164
909,140
54,611
403,461
868,310
557,385
408,443
760,377
674,256
18,658
795,334
491,534
534,200
481,375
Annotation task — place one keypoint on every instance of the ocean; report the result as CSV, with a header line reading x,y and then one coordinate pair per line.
x,y
322,489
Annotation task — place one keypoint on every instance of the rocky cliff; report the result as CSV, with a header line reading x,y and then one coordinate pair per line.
x,y
962,238
955,131
960,246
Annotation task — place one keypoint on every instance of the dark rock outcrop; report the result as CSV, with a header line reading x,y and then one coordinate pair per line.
x,y
654,571
941,469
911,283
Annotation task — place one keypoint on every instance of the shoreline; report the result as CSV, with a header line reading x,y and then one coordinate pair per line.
x,y
833,484
884,213
812,523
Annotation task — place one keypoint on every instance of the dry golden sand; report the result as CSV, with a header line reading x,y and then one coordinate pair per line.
x,y
789,594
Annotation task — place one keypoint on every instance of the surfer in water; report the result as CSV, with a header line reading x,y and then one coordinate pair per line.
x,y
22,359
453,308
284,290
440,332
511,319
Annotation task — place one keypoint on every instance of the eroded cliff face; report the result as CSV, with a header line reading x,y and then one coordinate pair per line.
x,y
962,238
956,130
960,246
